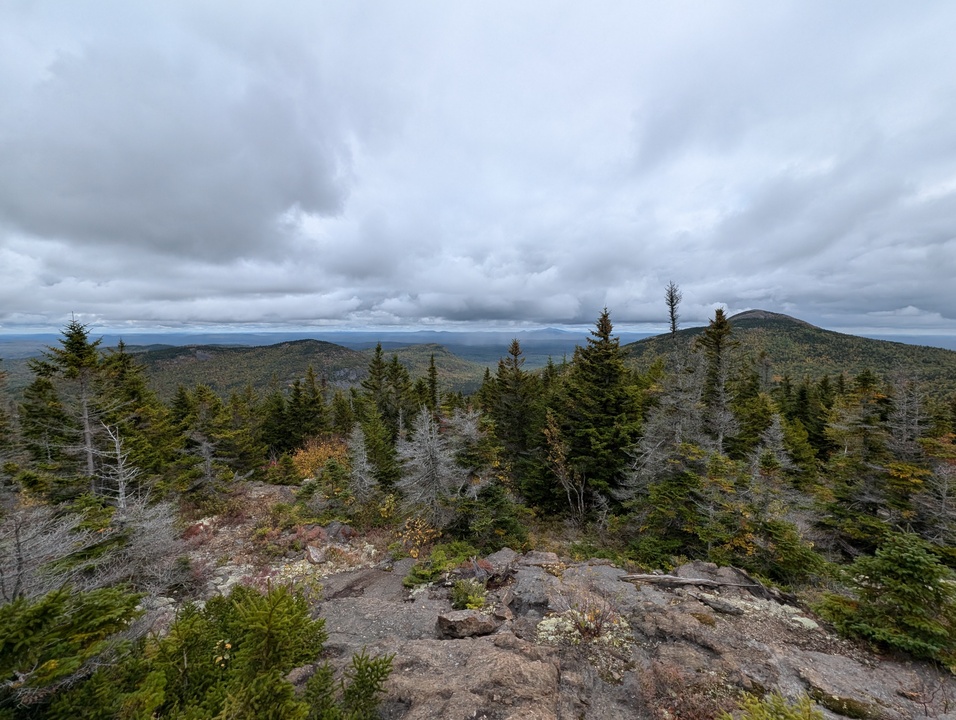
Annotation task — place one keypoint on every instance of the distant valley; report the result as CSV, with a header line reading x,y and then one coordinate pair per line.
x,y
230,361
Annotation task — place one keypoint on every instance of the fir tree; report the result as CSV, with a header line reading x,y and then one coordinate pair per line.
x,y
516,412
715,342
599,412
73,370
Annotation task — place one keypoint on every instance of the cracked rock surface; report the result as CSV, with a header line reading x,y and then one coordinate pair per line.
x,y
651,650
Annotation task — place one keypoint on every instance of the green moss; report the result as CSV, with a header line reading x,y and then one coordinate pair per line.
x,y
847,707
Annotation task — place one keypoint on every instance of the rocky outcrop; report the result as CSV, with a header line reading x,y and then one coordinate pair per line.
x,y
578,640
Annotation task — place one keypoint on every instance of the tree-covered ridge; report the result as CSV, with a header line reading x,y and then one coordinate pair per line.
x,y
226,369
786,346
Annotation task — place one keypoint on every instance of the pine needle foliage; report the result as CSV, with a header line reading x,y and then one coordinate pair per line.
x,y
904,599
230,659
775,707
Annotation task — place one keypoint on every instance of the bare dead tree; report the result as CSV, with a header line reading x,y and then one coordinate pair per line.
x,y
43,549
362,479
673,423
430,477
148,558
118,477
907,420
35,542
936,504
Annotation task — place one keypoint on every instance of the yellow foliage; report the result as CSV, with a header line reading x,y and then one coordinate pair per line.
x,y
416,534
310,459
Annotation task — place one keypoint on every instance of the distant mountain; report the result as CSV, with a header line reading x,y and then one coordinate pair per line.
x,y
792,347
226,369
228,362
797,348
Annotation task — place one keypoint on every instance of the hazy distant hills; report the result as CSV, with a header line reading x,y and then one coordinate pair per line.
x,y
792,347
461,364
230,361
796,348
232,368
227,368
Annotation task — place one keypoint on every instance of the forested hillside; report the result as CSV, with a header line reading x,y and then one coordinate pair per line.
x,y
781,346
225,369
838,484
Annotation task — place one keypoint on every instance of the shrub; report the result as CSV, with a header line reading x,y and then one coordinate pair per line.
x,y
905,599
310,459
55,640
468,594
491,520
231,659
443,558
591,623
354,697
775,707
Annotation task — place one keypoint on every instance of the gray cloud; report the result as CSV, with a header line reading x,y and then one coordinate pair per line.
x,y
423,163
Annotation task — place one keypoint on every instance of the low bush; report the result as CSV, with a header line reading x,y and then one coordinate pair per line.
x,y
468,594
775,707
443,558
903,598
230,659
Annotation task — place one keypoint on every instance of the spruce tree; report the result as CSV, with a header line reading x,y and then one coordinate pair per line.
x,y
716,342
599,412
74,368
905,599
673,296
134,412
45,425
516,411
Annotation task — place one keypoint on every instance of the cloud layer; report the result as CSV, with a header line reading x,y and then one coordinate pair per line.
x,y
429,163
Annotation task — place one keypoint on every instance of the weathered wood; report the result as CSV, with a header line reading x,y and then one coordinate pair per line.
x,y
675,580
755,588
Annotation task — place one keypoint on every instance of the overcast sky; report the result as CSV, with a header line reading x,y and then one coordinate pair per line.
x,y
414,164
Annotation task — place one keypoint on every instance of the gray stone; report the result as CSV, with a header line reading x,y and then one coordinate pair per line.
x,y
502,561
467,623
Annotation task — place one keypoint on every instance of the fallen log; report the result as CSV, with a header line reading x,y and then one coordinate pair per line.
x,y
675,580
755,588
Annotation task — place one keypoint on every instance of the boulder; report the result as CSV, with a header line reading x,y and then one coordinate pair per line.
x,y
467,623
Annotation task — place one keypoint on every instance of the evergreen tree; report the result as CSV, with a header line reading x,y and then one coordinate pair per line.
x,y
45,425
599,412
274,423
380,449
343,414
73,370
431,401
856,470
374,384
516,412
242,441
904,599
134,412
673,296
715,342
206,436
7,434
390,392
306,414
399,406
